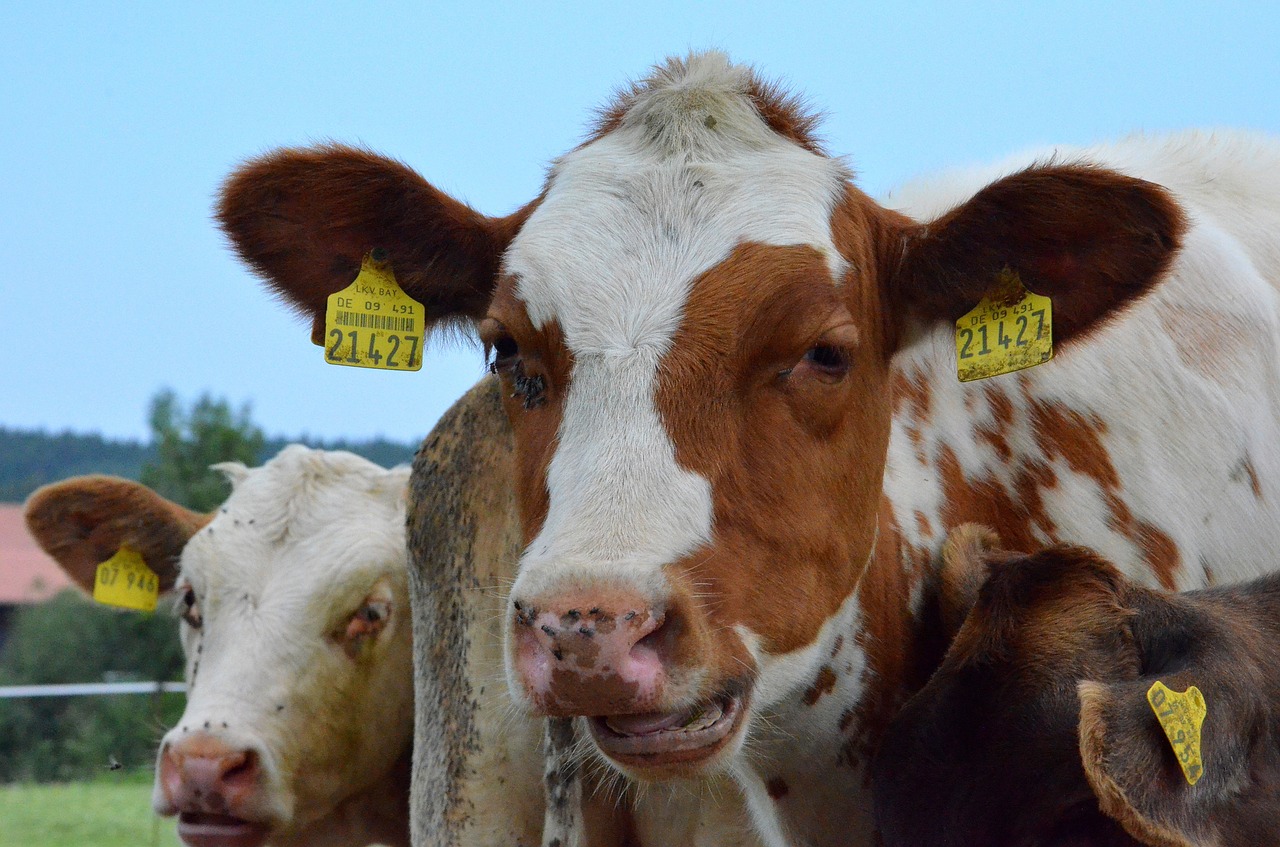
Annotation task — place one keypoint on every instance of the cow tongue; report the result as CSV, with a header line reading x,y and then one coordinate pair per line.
x,y
648,723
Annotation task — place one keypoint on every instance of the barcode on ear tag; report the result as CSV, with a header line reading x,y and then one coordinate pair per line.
x,y
1010,329
372,323
125,580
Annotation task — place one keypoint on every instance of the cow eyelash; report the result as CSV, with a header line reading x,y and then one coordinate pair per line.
x,y
505,352
506,359
827,358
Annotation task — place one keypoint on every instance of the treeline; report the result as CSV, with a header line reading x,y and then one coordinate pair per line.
x,y
32,458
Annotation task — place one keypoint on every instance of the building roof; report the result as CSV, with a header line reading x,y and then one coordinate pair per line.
x,y
27,574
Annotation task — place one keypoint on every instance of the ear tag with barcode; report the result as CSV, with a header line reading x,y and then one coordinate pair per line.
x,y
1181,715
125,580
1009,330
372,323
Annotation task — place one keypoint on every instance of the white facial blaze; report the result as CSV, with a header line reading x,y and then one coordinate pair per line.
x,y
628,223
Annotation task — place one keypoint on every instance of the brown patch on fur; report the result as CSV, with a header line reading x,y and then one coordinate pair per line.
x,y
1204,338
777,788
824,683
773,438
81,522
1254,483
996,433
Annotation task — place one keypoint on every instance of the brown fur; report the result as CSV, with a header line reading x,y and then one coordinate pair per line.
x,y
304,218
1088,238
82,522
1042,695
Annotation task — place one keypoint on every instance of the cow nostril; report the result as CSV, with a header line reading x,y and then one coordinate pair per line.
x,y
662,639
242,770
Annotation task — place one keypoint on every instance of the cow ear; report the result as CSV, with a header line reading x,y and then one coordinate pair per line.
x,y
1129,760
1090,239
963,570
81,522
303,219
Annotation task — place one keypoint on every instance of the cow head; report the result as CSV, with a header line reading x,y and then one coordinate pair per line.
x,y
1036,729
295,626
694,324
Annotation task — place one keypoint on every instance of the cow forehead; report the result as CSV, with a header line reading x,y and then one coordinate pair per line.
x,y
305,519
630,220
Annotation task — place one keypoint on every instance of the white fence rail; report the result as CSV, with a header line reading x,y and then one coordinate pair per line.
x,y
82,689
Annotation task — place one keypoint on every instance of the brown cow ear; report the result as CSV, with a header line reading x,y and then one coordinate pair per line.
x,y
303,219
963,570
1090,239
81,522
1128,758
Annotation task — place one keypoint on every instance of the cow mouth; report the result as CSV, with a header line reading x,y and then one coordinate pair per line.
x,y
200,829
688,737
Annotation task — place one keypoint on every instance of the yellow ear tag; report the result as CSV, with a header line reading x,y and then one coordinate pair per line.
x,y
1181,715
1009,330
125,580
372,323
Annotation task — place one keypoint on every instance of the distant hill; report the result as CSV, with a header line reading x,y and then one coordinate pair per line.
x,y
32,458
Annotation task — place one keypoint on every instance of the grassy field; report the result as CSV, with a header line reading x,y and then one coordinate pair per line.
x,y
114,811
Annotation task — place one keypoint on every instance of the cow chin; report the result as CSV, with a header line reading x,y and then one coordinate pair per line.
x,y
678,744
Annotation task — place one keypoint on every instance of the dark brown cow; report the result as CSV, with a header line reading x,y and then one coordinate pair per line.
x,y
739,436
1037,730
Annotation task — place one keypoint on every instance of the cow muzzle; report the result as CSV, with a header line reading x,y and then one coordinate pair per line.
x,y
215,790
634,668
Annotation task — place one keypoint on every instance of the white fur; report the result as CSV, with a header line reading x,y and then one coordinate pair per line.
x,y
295,550
679,195
1180,422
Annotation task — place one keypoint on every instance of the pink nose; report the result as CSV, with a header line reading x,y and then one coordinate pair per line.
x,y
202,774
589,654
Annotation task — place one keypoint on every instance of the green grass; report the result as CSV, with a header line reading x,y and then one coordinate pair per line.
x,y
113,811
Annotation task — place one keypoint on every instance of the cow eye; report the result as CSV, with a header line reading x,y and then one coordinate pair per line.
x,y
827,362
190,609
364,625
826,357
505,353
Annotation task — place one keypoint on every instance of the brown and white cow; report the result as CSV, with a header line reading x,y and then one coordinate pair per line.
x,y
730,376
1037,729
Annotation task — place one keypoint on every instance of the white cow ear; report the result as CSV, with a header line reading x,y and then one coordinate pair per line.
x,y
235,472
395,485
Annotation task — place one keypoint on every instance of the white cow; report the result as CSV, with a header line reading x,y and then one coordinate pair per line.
x,y
297,635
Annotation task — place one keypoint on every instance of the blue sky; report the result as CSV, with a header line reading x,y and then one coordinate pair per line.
x,y
119,123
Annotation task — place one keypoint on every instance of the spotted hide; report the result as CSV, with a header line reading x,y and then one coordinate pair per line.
x,y
739,437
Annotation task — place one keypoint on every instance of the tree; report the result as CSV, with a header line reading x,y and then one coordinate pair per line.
x,y
187,442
